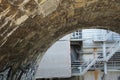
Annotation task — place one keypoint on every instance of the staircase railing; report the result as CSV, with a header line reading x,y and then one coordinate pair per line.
x,y
107,36
84,68
111,51
102,38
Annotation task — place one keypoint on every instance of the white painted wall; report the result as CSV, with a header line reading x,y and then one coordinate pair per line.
x,y
56,62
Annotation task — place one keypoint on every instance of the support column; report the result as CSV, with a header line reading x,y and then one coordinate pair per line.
x,y
104,56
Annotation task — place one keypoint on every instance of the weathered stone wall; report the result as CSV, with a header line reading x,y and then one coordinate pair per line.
x,y
29,27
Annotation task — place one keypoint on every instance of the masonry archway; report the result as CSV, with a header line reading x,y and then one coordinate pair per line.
x,y
29,27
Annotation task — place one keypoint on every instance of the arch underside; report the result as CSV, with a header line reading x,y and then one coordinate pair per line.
x,y
28,29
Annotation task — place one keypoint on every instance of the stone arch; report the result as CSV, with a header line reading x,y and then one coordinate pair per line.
x,y
29,27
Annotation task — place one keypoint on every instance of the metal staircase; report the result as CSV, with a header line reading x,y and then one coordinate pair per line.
x,y
84,67
111,51
107,36
101,38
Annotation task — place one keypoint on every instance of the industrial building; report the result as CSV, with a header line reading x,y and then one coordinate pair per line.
x,y
88,54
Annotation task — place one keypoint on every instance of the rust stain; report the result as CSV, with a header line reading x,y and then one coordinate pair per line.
x,y
96,74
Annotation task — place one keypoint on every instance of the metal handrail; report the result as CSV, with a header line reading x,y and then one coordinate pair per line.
x,y
112,50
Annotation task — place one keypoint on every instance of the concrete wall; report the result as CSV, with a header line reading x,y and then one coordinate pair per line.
x,y
56,62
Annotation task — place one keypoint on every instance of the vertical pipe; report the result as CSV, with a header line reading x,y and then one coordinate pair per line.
x,y
96,71
96,74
